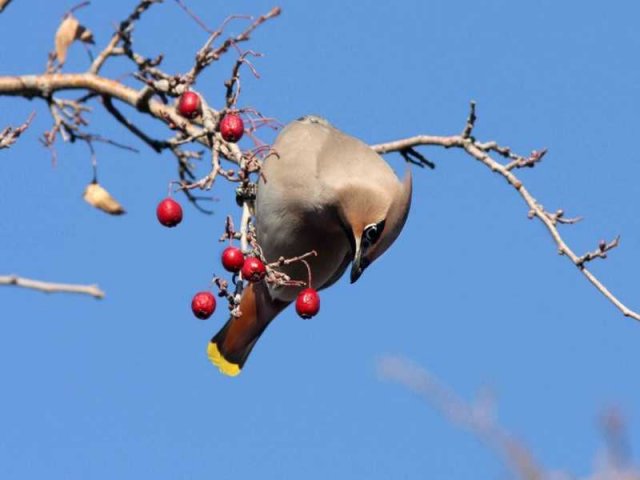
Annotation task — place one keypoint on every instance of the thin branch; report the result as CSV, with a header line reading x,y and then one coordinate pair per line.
x,y
48,287
480,151
194,17
123,29
206,55
600,252
9,135
157,145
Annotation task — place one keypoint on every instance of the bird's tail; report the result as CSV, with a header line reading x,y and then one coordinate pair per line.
x,y
229,348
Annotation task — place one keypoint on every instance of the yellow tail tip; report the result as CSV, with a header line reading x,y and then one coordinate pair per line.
x,y
222,363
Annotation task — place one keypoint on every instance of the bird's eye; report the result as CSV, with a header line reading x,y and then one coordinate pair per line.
x,y
372,233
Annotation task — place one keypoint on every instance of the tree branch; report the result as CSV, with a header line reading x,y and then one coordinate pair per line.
x,y
123,29
47,287
480,151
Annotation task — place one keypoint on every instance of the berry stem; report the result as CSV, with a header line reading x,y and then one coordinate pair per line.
x,y
306,264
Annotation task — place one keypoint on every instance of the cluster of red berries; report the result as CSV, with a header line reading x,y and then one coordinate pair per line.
x,y
231,126
233,260
253,270
169,213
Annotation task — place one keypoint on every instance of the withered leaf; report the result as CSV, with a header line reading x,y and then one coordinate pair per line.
x,y
69,31
85,35
96,196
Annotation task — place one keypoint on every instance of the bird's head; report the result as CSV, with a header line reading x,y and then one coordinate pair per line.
x,y
376,217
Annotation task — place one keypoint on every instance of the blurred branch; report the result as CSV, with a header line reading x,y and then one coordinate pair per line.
x,y
481,152
9,135
613,463
48,287
477,418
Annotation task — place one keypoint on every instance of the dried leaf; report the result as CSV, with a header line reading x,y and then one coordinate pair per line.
x,y
85,35
3,4
65,35
98,197
69,31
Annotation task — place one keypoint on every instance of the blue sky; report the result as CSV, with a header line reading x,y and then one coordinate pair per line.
x,y
472,290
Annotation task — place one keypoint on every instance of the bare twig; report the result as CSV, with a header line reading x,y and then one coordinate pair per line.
x,y
287,261
207,54
600,252
471,121
123,29
157,145
48,287
77,7
9,135
480,151
193,16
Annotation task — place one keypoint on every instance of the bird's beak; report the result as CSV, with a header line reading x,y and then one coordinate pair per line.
x,y
356,269
358,265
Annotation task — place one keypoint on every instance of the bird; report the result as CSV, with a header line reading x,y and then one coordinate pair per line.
x,y
319,190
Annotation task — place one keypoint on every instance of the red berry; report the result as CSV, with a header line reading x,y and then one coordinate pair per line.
x,y
203,305
232,127
253,269
169,212
308,303
232,259
189,105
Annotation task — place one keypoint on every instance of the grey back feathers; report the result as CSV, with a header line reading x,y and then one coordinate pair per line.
x,y
319,191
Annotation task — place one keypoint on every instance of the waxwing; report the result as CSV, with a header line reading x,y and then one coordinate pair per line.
x,y
320,190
